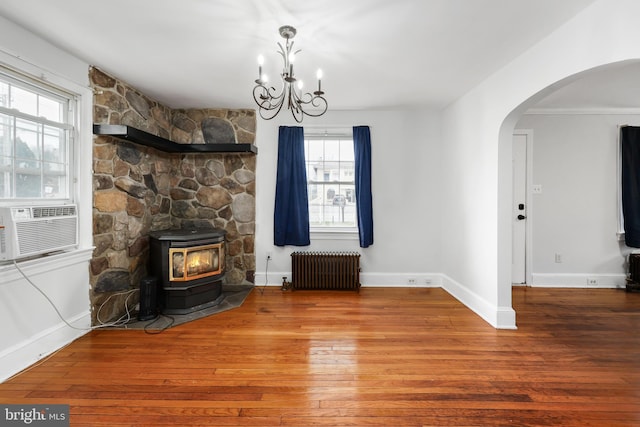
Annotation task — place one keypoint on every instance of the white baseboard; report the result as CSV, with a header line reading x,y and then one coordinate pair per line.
x,y
555,280
386,280
401,280
23,355
498,317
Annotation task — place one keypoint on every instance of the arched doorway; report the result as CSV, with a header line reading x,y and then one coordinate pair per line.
x,y
603,81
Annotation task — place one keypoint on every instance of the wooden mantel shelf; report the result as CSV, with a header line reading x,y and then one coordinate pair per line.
x,y
144,138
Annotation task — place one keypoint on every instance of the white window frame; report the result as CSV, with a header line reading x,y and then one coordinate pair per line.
x,y
329,232
69,125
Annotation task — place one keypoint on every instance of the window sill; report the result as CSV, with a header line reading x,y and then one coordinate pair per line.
x,y
334,234
44,264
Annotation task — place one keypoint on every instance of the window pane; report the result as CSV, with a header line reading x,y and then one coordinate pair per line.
x,y
346,151
24,101
50,109
54,146
332,171
315,151
28,180
55,185
332,150
27,142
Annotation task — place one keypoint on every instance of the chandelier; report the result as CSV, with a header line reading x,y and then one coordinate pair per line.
x,y
270,102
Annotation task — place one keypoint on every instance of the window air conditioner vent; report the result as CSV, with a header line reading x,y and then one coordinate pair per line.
x,y
42,212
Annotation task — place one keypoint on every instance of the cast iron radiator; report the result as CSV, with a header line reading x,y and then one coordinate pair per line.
x,y
325,270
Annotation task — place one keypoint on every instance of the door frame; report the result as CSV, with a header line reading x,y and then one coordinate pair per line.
x,y
528,259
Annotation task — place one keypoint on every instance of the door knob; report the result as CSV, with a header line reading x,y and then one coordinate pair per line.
x,y
521,217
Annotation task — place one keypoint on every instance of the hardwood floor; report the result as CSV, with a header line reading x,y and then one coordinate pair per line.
x,y
383,357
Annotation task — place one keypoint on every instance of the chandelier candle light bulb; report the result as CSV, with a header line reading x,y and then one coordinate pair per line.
x,y
319,76
270,101
260,63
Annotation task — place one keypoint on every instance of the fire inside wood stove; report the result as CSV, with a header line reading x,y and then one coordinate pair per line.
x,y
195,262
189,267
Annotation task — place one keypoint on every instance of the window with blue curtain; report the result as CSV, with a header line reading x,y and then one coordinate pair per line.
x,y
291,214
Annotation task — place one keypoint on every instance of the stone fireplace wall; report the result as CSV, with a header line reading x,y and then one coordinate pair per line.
x,y
139,189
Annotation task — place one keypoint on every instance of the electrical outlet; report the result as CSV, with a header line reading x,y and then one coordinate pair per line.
x,y
559,258
411,281
268,256
592,281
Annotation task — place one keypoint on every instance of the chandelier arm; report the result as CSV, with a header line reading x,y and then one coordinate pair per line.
x,y
270,105
297,114
295,105
263,98
270,113
318,102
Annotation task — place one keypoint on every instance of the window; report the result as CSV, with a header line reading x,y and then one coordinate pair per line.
x,y
36,125
330,165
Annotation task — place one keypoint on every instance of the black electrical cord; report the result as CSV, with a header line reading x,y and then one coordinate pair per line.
x,y
158,331
266,275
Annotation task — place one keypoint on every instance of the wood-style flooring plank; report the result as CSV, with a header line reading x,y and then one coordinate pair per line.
x,y
381,357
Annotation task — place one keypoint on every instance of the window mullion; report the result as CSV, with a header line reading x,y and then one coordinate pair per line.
x,y
14,141
41,160
40,120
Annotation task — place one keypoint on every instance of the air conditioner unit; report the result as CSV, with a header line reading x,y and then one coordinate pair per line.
x,y
34,230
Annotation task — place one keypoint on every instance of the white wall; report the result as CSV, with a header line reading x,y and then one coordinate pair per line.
x,y
31,328
406,185
576,215
477,149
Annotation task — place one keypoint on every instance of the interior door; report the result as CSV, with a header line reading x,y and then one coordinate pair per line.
x,y
519,210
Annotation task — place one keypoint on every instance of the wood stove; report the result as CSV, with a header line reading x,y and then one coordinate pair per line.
x,y
189,268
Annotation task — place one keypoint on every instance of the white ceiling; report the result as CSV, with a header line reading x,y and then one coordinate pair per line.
x,y
375,54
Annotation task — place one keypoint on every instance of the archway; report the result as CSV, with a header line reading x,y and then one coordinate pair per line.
x,y
505,141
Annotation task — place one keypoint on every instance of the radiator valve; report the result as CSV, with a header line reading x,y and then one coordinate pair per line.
x,y
285,285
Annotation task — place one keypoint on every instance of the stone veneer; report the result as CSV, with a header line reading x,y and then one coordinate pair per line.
x,y
138,189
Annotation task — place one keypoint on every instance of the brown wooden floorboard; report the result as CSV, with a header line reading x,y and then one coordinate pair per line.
x,y
381,357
